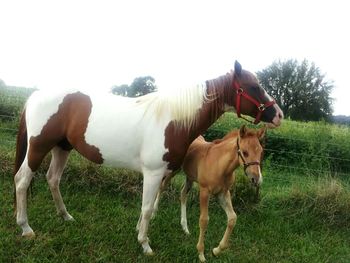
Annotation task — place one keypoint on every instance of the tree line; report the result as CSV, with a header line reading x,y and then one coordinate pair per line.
x,y
302,91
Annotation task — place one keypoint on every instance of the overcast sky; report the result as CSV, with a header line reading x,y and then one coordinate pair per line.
x,y
98,44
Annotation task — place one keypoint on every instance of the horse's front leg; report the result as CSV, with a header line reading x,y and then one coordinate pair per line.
x,y
203,221
226,204
151,183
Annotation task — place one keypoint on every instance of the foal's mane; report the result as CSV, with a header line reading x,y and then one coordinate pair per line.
x,y
183,104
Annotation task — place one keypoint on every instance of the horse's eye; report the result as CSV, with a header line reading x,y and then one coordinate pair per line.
x,y
256,89
245,154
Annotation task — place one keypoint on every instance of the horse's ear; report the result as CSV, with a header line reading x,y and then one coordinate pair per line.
x,y
262,132
238,69
242,131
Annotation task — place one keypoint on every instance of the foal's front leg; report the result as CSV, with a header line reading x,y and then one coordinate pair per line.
x,y
203,221
226,204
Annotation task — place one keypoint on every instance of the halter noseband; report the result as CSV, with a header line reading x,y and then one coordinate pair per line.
x,y
261,106
245,164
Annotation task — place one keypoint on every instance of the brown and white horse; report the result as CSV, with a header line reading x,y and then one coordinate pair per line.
x,y
212,166
150,134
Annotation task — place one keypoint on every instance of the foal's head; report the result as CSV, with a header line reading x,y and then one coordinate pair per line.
x,y
250,151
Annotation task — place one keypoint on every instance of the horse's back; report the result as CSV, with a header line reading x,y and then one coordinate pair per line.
x,y
103,127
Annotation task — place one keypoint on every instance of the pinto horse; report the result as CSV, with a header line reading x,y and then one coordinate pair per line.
x,y
212,165
149,134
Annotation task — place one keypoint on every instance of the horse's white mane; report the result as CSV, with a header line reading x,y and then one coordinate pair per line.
x,y
182,104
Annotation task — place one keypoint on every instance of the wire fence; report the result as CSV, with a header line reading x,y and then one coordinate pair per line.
x,y
301,164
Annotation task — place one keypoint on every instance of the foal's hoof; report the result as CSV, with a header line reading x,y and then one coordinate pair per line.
x,y
216,251
29,235
201,258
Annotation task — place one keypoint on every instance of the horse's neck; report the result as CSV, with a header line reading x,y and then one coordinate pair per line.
x,y
213,107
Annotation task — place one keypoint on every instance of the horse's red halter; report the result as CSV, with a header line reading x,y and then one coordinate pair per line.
x,y
261,106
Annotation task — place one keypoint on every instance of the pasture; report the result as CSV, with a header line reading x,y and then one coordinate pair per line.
x,y
303,214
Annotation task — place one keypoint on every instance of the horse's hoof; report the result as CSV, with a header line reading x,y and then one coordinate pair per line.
x,y
186,231
29,235
68,217
149,253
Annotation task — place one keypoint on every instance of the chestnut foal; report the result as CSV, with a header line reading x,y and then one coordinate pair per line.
x,y
212,165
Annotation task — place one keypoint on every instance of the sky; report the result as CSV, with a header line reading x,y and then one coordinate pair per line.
x,y
98,44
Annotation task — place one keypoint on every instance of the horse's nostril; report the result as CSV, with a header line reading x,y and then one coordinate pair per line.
x,y
280,115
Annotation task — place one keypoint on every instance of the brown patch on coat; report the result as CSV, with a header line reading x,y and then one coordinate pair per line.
x,y
178,139
66,129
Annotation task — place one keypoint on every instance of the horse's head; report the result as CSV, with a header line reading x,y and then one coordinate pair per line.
x,y
251,99
250,151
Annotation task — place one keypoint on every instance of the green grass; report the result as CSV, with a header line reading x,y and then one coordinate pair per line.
x,y
298,219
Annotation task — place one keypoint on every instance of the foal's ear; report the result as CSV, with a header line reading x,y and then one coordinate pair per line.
x,y
242,131
238,69
262,132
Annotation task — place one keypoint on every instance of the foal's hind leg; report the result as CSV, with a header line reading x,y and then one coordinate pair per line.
x,y
186,188
22,182
165,182
203,221
226,204
53,176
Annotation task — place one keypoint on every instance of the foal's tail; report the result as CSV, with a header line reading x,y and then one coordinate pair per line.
x,y
21,147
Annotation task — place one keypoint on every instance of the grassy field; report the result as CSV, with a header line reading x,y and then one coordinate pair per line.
x,y
301,216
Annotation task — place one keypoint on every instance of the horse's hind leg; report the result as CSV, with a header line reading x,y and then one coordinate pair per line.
x,y
53,176
186,188
22,181
226,204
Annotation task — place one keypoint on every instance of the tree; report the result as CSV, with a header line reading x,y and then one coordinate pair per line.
x,y
299,88
140,86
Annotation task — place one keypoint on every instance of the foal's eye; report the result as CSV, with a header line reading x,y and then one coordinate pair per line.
x,y
245,154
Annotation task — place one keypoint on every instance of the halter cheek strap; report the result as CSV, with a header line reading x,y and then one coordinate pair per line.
x,y
261,106
245,164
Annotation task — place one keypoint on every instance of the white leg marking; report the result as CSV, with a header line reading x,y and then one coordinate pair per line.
x,y
187,186
151,184
226,204
53,176
22,181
